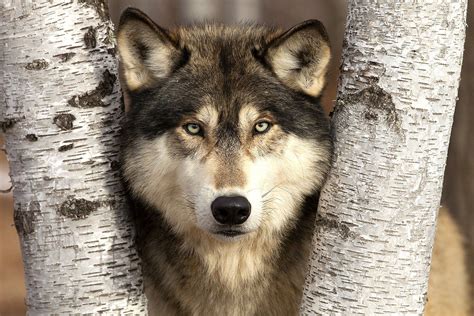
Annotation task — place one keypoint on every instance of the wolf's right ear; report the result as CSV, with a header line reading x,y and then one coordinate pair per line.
x,y
147,51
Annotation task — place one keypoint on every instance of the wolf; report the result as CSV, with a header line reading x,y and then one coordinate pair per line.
x,y
225,149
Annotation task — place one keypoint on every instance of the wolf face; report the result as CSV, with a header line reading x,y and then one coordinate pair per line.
x,y
225,134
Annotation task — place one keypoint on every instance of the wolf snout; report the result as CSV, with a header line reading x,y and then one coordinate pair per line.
x,y
231,210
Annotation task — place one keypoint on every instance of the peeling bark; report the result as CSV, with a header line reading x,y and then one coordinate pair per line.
x,y
392,122
60,109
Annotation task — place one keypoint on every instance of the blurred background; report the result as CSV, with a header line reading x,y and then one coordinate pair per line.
x,y
458,194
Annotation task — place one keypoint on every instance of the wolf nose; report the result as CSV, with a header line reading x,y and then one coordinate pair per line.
x,y
231,210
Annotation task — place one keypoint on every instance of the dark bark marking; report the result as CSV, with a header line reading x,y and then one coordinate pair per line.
x,y
66,147
122,102
31,137
112,51
94,97
107,122
100,6
114,165
8,123
334,224
77,208
90,37
65,57
374,98
24,218
24,222
64,121
371,116
37,64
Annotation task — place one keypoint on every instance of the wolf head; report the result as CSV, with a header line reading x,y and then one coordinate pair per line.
x,y
225,134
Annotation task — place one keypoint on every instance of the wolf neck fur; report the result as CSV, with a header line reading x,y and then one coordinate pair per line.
x,y
237,264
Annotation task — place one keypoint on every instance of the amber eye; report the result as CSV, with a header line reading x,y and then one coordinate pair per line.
x,y
262,127
193,129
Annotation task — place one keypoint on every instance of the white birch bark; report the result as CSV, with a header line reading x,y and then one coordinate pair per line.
x,y
376,221
60,109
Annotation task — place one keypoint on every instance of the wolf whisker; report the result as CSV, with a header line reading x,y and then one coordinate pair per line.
x,y
277,186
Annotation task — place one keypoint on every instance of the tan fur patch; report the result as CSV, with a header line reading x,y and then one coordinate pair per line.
x,y
228,174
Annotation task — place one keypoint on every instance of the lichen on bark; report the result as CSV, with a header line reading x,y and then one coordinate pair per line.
x,y
64,121
94,97
376,102
77,208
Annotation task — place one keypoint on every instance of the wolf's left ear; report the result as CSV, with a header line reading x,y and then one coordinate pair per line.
x,y
300,57
147,51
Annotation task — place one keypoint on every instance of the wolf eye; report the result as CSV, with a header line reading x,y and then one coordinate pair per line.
x,y
193,129
262,127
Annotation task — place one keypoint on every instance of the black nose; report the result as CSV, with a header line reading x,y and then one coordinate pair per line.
x,y
231,210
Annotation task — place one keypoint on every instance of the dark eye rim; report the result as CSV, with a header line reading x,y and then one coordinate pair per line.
x,y
201,129
270,124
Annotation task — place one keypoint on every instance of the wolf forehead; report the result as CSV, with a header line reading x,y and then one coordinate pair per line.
x,y
231,50
217,66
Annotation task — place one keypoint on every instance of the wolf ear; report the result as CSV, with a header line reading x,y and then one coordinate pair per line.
x,y
147,51
300,57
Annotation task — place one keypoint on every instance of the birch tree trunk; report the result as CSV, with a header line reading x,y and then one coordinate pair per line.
x,y
376,220
60,108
